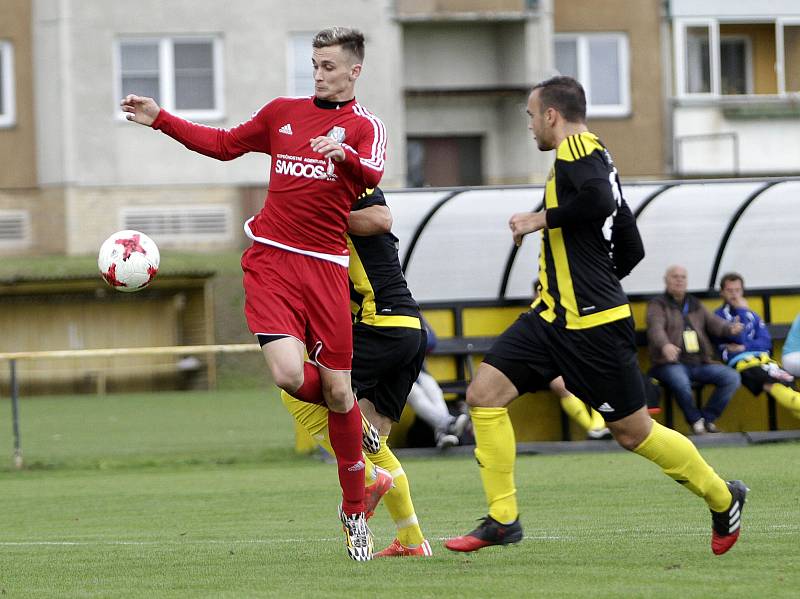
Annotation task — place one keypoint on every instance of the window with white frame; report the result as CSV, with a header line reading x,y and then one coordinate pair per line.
x,y
600,61
182,74
7,95
714,57
698,60
790,36
300,74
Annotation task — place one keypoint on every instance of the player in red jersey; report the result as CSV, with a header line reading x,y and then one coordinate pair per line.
x,y
326,150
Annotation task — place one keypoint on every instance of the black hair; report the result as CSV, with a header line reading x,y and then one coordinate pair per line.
x,y
730,276
565,95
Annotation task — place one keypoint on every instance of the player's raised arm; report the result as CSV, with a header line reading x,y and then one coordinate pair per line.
x,y
222,144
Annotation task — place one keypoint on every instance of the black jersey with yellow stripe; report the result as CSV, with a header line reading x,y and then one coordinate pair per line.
x,y
578,285
379,295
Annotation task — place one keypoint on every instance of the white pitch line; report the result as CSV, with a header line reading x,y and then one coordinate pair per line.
x,y
781,529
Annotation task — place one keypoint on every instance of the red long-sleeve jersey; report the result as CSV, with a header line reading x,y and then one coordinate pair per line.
x,y
309,196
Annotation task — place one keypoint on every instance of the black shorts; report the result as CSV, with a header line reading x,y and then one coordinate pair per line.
x,y
755,377
599,365
386,362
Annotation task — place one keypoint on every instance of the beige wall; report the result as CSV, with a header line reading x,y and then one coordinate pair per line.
x,y
46,213
76,220
640,19
17,143
96,212
407,8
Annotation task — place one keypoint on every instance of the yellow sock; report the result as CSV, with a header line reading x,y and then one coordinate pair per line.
x,y
398,498
597,420
680,460
314,418
496,451
576,409
787,397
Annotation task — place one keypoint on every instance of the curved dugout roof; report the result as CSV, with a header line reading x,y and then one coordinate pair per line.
x,y
455,244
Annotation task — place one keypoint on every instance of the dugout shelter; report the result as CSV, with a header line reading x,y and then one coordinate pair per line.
x,y
463,268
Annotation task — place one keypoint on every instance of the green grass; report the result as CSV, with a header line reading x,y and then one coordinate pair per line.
x,y
246,519
147,429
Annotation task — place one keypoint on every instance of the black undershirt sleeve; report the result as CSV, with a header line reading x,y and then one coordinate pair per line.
x,y
627,249
374,197
595,201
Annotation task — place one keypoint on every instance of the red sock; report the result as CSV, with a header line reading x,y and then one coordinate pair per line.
x,y
311,389
345,437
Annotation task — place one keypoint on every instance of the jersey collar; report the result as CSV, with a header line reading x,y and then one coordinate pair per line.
x,y
328,105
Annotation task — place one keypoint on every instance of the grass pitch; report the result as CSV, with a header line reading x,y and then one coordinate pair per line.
x,y
245,518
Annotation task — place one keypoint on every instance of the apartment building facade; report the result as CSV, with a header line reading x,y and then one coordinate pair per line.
x,y
675,88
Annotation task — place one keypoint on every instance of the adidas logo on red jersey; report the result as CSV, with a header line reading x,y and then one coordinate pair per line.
x,y
287,129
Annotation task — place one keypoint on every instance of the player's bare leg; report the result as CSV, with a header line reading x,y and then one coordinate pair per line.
x,y
285,358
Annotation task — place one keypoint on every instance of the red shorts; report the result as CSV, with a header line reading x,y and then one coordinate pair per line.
x,y
308,298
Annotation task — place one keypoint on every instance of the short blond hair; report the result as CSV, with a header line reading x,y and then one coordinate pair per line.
x,y
348,38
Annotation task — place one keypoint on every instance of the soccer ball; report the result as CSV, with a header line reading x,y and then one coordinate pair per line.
x,y
128,260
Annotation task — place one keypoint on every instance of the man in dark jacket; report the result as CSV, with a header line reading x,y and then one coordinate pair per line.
x,y
681,352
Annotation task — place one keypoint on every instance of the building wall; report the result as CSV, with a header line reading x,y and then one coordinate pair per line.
x,y
765,146
457,55
410,8
472,78
75,62
45,213
96,212
641,20
17,143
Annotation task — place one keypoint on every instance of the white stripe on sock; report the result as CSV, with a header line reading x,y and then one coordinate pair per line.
x,y
405,523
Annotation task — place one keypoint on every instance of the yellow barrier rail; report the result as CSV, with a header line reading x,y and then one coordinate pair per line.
x,y
132,351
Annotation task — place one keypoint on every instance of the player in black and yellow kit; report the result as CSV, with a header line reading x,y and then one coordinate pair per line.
x,y
580,327
389,344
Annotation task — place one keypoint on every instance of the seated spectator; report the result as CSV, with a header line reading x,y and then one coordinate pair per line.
x,y
681,352
427,401
749,351
791,349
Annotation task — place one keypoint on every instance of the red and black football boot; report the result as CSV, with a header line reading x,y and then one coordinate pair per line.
x,y
725,526
489,532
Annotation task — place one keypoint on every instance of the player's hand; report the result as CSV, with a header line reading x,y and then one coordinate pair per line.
x,y
737,327
523,223
140,109
671,352
328,147
735,348
740,302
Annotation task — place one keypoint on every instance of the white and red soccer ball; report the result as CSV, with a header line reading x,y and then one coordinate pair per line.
x,y
128,260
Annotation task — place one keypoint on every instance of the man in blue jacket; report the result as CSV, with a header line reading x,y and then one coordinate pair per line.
x,y
749,351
